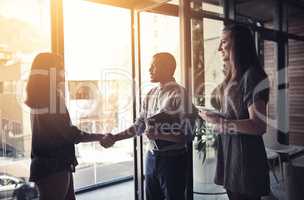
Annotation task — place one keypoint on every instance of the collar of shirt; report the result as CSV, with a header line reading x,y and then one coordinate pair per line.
x,y
168,83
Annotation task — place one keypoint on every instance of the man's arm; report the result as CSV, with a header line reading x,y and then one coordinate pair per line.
x,y
136,129
110,139
171,137
128,133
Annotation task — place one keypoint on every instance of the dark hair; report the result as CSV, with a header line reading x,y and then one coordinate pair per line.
x,y
245,54
39,83
244,57
167,60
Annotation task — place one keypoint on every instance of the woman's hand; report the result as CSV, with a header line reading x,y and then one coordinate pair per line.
x,y
211,117
214,119
219,128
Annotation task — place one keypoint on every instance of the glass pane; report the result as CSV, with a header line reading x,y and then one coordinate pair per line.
x,y
214,6
295,91
98,68
207,64
295,20
271,70
208,73
25,31
159,33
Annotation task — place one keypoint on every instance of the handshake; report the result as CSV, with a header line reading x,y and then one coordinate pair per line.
x,y
107,140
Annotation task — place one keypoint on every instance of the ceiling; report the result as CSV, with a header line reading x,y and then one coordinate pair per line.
x,y
260,10
263,10
132,4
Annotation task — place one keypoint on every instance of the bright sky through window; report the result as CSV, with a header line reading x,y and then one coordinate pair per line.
x,y
97,38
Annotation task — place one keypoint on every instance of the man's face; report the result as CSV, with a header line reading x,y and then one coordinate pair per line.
x,y
225,47
156,74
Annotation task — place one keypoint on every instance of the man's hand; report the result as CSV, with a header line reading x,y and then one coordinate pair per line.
x,y
210,117
108,140
152,134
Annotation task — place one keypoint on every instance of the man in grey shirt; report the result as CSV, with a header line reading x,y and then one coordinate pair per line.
x,y
164,121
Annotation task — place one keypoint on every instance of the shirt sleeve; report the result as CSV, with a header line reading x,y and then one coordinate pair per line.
x,y
187,117
255,88
140,124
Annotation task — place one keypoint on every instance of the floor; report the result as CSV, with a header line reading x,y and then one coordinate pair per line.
x,y
122,191
125,191
203,182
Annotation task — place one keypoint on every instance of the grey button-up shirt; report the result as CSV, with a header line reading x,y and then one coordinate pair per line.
x,y
170,99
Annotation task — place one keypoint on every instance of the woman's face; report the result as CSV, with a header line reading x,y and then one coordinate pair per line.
x,y
225,47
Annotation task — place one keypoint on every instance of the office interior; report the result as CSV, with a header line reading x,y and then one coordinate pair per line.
x,y
107,46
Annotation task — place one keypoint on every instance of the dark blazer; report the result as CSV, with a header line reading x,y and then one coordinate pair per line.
x,y
53,139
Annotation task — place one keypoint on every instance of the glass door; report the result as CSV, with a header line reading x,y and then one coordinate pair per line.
x,y
99,80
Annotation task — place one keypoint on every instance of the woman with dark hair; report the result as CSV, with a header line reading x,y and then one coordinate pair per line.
x,y
53,136
243,95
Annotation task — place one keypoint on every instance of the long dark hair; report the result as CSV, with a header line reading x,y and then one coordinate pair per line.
x,y
244,56
40,81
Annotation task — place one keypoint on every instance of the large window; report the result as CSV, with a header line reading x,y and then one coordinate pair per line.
x,y
159,33
25,31
98,72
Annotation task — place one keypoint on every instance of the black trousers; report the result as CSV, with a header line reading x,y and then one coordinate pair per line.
x,y
238,196
57,186
165,177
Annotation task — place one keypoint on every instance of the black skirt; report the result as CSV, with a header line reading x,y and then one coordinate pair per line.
x,y
242,164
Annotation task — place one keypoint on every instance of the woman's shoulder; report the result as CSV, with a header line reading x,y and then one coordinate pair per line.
x,y
254,75
255,84
249,73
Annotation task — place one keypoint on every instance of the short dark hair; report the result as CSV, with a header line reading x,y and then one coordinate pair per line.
x,y
167,60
